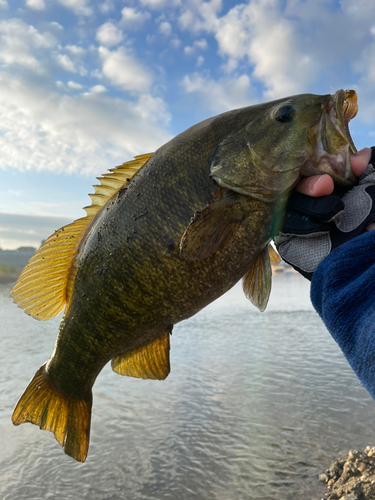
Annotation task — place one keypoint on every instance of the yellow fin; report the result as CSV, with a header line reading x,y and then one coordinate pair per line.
x,y
68,418
44,286
41,289
149,362
112,182
274,256
257,281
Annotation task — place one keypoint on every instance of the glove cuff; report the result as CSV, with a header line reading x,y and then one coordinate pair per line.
x,y
372,159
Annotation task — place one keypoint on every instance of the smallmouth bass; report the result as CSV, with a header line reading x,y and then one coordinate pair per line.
x,y
166,234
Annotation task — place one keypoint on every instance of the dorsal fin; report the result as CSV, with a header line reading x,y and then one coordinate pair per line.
x,y
44,285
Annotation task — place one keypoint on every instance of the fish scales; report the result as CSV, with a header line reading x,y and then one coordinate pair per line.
x,y
140,297
194,220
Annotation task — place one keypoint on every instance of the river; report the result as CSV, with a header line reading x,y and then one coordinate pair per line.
x,y
256,406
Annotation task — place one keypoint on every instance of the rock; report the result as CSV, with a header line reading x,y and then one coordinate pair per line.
x,y
323,478
351,478
361,466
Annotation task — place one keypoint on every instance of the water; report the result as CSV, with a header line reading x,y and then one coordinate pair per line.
x,y
256,406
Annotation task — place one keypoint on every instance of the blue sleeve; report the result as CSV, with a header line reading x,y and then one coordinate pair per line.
x,y
343,293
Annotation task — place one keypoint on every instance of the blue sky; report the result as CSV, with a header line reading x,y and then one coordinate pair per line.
x,y
86,85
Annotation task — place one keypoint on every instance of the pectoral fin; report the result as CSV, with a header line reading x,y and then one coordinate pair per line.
x,y
209,230
274,256
257,281
149,362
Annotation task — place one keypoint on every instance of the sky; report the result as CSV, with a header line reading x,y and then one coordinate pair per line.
x,y
85,85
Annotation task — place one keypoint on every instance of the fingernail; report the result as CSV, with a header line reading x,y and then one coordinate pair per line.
x,y
313,183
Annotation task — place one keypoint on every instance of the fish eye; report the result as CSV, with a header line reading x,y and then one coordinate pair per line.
x,y
285,114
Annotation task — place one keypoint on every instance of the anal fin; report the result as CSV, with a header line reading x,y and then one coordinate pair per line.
x,y
257,281
148,362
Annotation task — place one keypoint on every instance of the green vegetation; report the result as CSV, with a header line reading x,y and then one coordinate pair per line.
x,y
7,269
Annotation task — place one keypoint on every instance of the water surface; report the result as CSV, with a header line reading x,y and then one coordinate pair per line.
x,y
256,406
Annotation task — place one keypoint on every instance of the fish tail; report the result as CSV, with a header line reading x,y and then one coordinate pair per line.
x,y
66,416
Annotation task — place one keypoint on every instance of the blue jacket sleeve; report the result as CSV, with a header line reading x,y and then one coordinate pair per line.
x,y
343,293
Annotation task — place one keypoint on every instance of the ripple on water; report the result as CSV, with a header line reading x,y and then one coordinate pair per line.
x,y
256,406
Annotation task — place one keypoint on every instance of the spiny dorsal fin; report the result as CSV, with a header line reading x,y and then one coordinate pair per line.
x,y
257,281
148,362
44,285
112,182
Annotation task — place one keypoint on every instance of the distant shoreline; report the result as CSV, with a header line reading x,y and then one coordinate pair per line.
x,y
12,263
10,277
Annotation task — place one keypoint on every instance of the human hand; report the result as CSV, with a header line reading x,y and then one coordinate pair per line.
x,y
316,221
322,185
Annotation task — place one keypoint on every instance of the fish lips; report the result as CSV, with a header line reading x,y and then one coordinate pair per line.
x,y
333,143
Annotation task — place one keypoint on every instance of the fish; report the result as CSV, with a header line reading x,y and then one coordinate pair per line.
x,y
165,235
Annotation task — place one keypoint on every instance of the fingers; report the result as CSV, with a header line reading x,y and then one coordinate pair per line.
x,y
322,185
317,185
360,161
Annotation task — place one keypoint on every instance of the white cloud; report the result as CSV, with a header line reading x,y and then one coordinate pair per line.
x,y
200,61
197,45
74,85
4,5
189,50
285,44
108,34
279,61
198,15
66,63
96,73
132,18
106,7
20,44
201,44
36,4
222,95
56,26
124,71
75,50
165,28
160,4
235,33
175,43
97,89
72,63
79,7
360,9
89,133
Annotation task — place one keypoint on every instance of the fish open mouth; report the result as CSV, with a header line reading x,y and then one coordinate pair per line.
x,y
335,145
349,111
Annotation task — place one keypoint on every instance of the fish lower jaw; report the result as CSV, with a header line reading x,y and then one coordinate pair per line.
x,y
337,165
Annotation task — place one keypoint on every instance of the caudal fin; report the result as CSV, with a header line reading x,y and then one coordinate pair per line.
x,y
67,417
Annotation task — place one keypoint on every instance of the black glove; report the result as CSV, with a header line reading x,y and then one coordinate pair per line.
x,y
313,227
